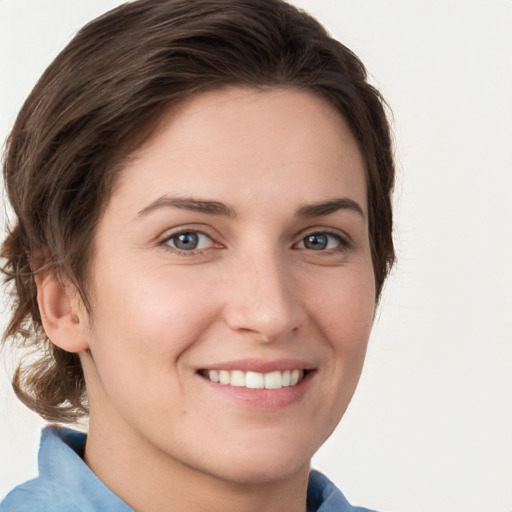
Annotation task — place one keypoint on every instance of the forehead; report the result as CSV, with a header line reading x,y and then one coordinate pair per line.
x,y
242,142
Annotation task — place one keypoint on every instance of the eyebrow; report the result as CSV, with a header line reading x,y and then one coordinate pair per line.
x,y
218,208
188,203
328,207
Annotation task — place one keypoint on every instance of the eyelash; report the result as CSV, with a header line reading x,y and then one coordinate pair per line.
x,y
181,252
343,242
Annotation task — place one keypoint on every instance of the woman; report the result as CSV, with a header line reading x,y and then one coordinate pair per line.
x,y
204,227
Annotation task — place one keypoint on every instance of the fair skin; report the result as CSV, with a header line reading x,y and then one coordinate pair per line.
x,y
236,241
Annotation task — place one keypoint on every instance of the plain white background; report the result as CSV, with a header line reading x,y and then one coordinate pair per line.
x,y
430,427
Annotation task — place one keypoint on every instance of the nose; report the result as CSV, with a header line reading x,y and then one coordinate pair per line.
x,y
263,299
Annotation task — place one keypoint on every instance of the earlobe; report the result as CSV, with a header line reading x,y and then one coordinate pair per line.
x,y
62,315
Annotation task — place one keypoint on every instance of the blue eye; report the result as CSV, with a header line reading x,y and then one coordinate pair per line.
x,y
189,241
320,242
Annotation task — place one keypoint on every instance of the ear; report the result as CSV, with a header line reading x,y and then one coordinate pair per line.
x,y
62,312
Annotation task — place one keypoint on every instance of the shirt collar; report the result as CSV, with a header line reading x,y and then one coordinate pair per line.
x,y
61,465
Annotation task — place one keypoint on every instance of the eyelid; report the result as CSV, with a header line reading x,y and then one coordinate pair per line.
x,y
345,241
197,235
163,240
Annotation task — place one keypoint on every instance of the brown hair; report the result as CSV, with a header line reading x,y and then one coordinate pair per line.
x,y
96,103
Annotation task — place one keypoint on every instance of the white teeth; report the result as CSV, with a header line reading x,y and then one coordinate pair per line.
x,y
214,375
256,380
224,377
237,378
273,380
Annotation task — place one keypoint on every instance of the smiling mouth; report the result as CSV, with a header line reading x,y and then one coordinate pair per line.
x,y
255,380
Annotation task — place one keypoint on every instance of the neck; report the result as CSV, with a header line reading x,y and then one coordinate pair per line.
x,y
149,480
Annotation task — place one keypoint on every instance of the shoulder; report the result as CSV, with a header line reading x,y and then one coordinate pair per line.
x,y
65,483
43,493
324,496
32,496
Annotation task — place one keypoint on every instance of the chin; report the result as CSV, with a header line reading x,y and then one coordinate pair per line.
x,y
246,466
265,473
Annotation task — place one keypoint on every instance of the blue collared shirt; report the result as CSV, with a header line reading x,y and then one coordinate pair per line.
x,y
66,484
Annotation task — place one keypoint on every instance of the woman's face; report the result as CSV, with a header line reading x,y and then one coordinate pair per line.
x,y
235,248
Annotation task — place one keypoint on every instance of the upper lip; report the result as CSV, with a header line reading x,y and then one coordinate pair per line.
x,y
261,366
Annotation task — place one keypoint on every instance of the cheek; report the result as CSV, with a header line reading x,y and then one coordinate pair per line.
x,y
143,325
346,318
148,302
346,307
343,315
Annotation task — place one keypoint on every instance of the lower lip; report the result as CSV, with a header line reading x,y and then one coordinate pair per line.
x,y
267,399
